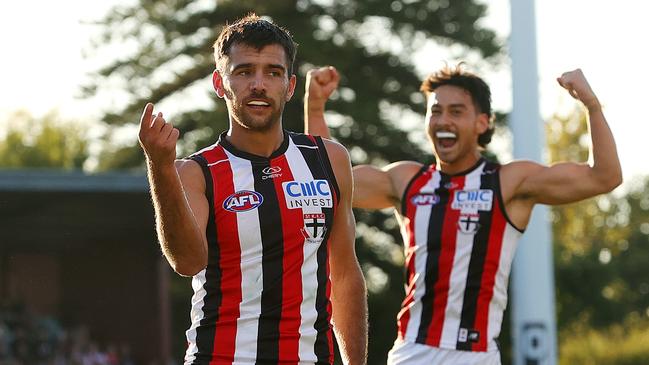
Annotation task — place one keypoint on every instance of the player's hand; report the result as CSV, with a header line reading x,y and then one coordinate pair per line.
x,y
577,85
321,83
157,137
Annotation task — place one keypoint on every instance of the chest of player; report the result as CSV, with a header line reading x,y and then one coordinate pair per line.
x,y
464,208
463,203
273,207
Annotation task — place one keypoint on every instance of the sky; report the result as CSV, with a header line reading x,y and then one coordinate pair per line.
x,y
42,64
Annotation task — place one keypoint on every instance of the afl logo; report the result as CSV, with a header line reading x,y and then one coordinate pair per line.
x,y
425,199
242,201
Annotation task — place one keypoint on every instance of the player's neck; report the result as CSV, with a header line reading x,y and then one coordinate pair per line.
x,y
260,143
459,165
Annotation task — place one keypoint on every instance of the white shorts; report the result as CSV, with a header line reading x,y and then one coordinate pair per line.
x,y
409,353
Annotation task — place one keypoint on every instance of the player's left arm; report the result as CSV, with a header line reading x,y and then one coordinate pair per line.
x,y
348,292
568,182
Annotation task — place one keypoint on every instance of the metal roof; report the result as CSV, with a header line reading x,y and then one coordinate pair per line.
x,y
51,180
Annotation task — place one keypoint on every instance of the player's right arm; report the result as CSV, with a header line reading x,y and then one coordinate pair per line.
x,y
379,188
178,194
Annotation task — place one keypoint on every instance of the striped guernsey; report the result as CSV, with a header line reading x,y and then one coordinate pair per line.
x,y
459,245
264,296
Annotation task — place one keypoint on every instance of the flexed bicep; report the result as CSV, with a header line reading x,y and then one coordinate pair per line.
x,y
380,188
560,183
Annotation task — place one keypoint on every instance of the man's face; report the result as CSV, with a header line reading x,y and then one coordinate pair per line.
x,y
255,85
454,124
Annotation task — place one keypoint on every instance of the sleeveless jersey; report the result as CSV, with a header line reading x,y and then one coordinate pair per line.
x,y
459,245
264,296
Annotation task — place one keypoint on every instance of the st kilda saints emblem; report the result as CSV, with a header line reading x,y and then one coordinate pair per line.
x,y
469,223
314,227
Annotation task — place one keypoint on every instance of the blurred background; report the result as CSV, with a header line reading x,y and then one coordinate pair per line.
x,y
82,280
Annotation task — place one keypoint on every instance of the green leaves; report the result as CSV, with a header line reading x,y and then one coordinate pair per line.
x,y
45,142
166,51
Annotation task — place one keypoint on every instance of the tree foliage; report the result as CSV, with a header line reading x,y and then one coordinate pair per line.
x,y
164,55
46,142
619,344
601,248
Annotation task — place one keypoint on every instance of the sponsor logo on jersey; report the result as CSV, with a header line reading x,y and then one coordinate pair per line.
x,y
468,335
243,200
271,172
451,185
424,199
307,194
473,200
469,223
314,227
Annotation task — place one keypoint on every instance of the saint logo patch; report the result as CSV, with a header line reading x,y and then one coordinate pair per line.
x,y
469,223
314,227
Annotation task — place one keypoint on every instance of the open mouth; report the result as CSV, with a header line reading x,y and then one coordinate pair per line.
x,y
446,139
258,104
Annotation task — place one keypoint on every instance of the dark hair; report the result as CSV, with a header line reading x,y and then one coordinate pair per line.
x,y
479,90
253,31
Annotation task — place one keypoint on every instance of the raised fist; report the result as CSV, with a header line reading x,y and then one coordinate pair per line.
x,y
577,85
321,83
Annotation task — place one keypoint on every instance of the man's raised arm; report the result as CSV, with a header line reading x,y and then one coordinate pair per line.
x,y
568,182
320,84
178,194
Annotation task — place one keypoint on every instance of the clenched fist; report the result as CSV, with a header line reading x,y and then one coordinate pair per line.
x,y
157,138
577,85
320,84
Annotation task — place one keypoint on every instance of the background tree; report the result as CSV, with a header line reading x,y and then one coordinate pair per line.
x,y
601,247
161,51
165,54
47,142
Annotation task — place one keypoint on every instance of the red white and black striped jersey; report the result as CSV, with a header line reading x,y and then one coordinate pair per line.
x,y
264,296
459,245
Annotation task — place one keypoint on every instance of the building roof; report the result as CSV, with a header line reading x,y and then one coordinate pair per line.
x,y
59,210
71,181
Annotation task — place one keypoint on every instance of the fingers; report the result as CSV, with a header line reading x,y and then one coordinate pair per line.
x,y
320,84
576,84
158,122
566,81
326,75
157,138
168,131
333,74
323,75
148,121
173,136
566,84
155,128
145,120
